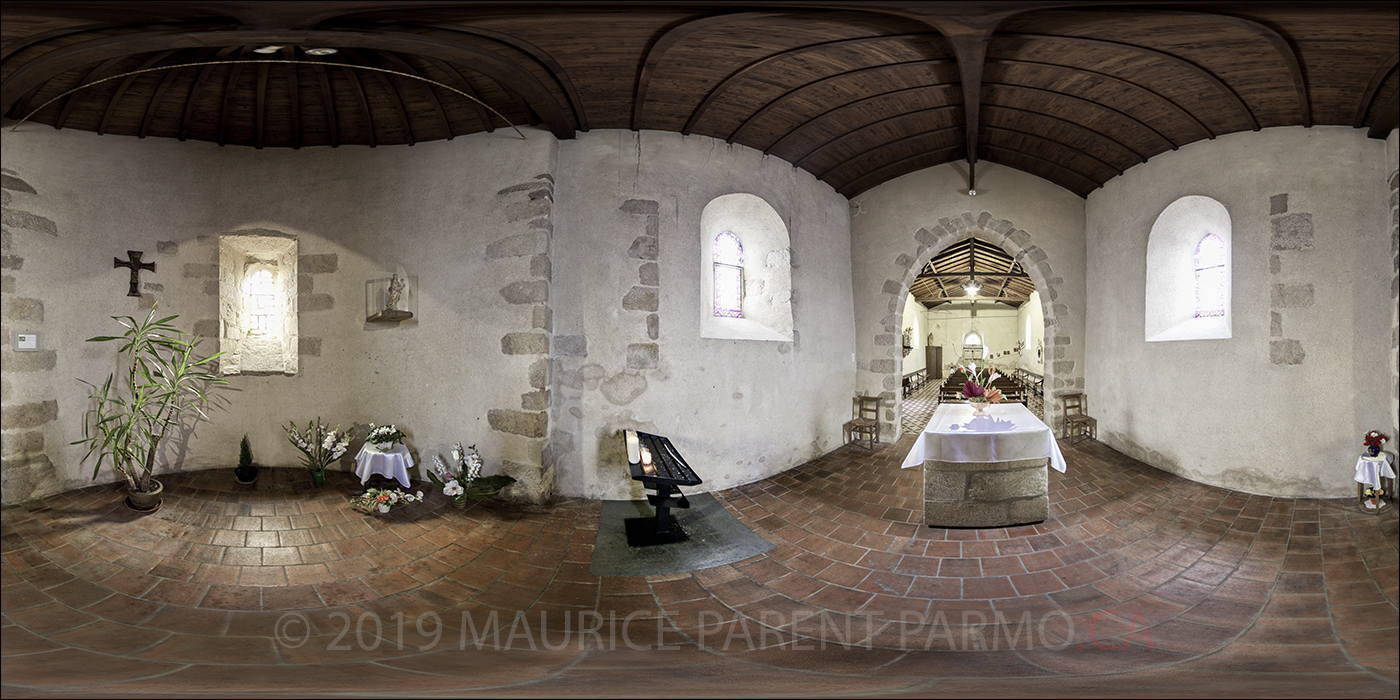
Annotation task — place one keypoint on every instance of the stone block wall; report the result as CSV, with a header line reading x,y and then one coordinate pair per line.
x,y
1312,291
27,379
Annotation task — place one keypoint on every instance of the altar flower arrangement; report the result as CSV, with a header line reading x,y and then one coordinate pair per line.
x,y
384,437
1374,440
382,500
975,388
466,480
319,444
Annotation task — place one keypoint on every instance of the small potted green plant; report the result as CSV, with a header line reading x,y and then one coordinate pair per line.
x,y
246,472
160,383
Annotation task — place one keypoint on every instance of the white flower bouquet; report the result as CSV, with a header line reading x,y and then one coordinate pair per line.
x,y
319,444
466,480
382,500
384,437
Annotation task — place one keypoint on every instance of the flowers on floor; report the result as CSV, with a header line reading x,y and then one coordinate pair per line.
x,y
385,436
466,481
319,444
382,500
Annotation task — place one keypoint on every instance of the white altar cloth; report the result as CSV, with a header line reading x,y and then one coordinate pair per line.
x,y
1008,432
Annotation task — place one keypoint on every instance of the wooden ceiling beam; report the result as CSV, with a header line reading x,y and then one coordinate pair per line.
x,y
125,84
542,57
723,86
1138,156
874,151
1050,166
354,79
671,36
1210,78
294,81
198,85
165,82
405,67
260,120
1058,144
466,86
940,156
327,98
227,100
1166,103
866,127
844,75
503,71
1363,105
1172,145
88,77
390,90
844,107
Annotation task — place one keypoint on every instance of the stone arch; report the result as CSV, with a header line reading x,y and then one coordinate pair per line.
x,y
1062,375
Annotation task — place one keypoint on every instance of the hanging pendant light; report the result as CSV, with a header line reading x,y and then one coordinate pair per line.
x,y
972,287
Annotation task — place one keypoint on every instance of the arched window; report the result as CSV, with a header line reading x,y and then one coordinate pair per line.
x,y
745,284
1188,272
1210,277
258,303
729,276
972,339
262,303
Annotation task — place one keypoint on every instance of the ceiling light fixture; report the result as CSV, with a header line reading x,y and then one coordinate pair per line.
x,y
972,288
268,49
322,51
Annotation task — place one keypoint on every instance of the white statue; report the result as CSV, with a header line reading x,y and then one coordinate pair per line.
x,y
396,285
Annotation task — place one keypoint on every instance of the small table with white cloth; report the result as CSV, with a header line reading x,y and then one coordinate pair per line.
x,y
393,463
985,471
1376,473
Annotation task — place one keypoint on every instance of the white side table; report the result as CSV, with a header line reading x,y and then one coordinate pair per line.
x,y
393,463
1376,473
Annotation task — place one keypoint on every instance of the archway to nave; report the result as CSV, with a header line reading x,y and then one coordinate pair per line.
x,y
973,304
1061,375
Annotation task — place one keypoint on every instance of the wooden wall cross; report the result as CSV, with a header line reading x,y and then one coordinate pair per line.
x,y
133,261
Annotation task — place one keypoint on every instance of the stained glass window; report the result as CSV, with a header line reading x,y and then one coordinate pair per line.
x,y
262,303
1210,277
729,275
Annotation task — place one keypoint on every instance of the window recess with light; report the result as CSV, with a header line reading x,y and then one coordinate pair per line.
x,y
257,304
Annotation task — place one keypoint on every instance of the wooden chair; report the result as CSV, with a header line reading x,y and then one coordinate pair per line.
x,y
867,420
1078,424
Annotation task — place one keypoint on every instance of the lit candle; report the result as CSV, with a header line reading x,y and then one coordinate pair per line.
x,y
647,466
633,456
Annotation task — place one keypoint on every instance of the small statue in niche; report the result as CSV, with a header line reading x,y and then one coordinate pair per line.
x,y
396,284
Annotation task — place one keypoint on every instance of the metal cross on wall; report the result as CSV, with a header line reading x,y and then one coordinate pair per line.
x,y
133,261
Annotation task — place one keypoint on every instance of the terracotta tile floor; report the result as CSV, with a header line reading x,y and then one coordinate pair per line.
x,y
1141,583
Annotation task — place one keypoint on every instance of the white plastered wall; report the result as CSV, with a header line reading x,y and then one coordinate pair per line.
x,y
1280,407
357,214
738,410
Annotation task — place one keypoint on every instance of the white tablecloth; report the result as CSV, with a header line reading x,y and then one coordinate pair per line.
x,y
1008,432
394,464
1369,470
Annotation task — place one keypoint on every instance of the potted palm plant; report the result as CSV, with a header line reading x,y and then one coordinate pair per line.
x,y
246,472
158,384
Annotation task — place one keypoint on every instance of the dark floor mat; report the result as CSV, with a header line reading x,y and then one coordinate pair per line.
x,y
714,537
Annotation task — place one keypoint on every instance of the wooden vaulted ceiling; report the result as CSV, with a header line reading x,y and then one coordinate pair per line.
x,y
857,93
943,279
